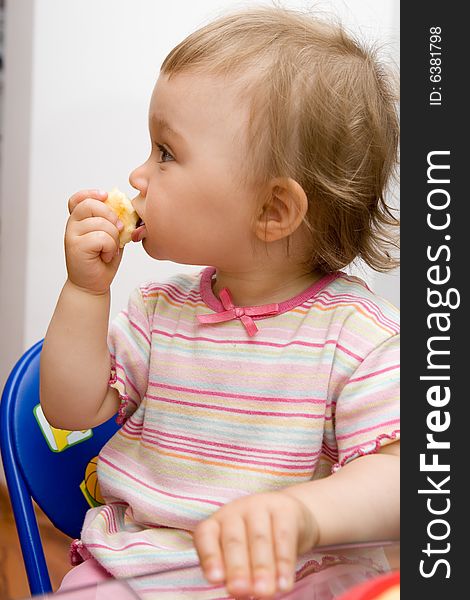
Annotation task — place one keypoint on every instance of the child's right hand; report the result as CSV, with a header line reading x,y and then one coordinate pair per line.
x,y
92,242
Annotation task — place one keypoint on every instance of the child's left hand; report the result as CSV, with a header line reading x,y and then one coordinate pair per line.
x,y
252,543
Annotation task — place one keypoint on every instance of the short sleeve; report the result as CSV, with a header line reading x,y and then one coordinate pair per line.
x,y
367,414
129,343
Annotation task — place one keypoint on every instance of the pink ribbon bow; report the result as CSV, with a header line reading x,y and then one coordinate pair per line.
x,y
245,314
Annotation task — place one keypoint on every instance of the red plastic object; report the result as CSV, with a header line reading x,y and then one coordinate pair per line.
x,y
372,589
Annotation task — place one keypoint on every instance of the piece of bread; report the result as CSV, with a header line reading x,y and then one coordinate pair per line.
x,y
121,205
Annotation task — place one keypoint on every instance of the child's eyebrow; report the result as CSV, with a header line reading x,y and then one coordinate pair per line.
x,y
161,124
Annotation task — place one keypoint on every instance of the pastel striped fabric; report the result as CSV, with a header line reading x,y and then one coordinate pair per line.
x,y
212,414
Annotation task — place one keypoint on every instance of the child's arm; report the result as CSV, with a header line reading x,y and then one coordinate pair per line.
x,y
258,538
75,361
360,502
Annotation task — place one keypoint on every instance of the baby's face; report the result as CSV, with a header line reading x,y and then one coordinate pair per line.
x,y
195,208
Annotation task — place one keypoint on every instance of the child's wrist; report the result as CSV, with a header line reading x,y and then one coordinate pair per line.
x,y
81,290
310,531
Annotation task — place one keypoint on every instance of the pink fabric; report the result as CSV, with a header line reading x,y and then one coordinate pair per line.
x,y
213,302
323,585
227,311
245,314
88,572
328,369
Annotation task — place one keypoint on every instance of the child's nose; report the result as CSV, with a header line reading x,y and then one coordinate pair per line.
x,y
138,180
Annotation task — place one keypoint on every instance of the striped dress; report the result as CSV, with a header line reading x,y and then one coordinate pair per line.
x,y
212,412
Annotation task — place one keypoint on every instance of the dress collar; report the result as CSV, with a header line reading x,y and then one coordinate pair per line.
x,y
226,311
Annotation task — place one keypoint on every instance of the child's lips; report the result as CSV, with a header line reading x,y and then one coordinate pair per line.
x,y
139,233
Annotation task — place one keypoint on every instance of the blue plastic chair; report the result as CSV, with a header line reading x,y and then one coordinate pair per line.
x,y
46,465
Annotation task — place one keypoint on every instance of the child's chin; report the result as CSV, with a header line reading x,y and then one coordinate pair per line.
x,y
161,254
157,253
148,248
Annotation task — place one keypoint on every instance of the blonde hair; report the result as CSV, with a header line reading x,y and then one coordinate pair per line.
x,y
322,111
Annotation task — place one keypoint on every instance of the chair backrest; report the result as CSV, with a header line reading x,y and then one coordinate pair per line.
x,y
53,467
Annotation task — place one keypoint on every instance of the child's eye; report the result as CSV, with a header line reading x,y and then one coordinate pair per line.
x,y
165,155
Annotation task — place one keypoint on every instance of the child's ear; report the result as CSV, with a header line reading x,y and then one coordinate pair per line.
x,y
283,211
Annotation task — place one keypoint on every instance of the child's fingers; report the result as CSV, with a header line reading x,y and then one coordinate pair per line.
x,y
83,194
207,542
90,207
260,544
99,242
254,543
285,536
236,557
98,224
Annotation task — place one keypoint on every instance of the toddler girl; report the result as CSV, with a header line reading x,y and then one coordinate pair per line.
x,y
259,398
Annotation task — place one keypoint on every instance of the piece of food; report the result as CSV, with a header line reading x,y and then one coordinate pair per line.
x,y
121,205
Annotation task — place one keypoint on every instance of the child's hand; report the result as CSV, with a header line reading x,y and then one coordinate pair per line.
x,y
92,242
253,542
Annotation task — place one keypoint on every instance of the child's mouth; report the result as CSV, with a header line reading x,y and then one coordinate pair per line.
x,y
139,232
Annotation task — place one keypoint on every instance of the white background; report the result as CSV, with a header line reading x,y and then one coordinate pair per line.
x,y
77,82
